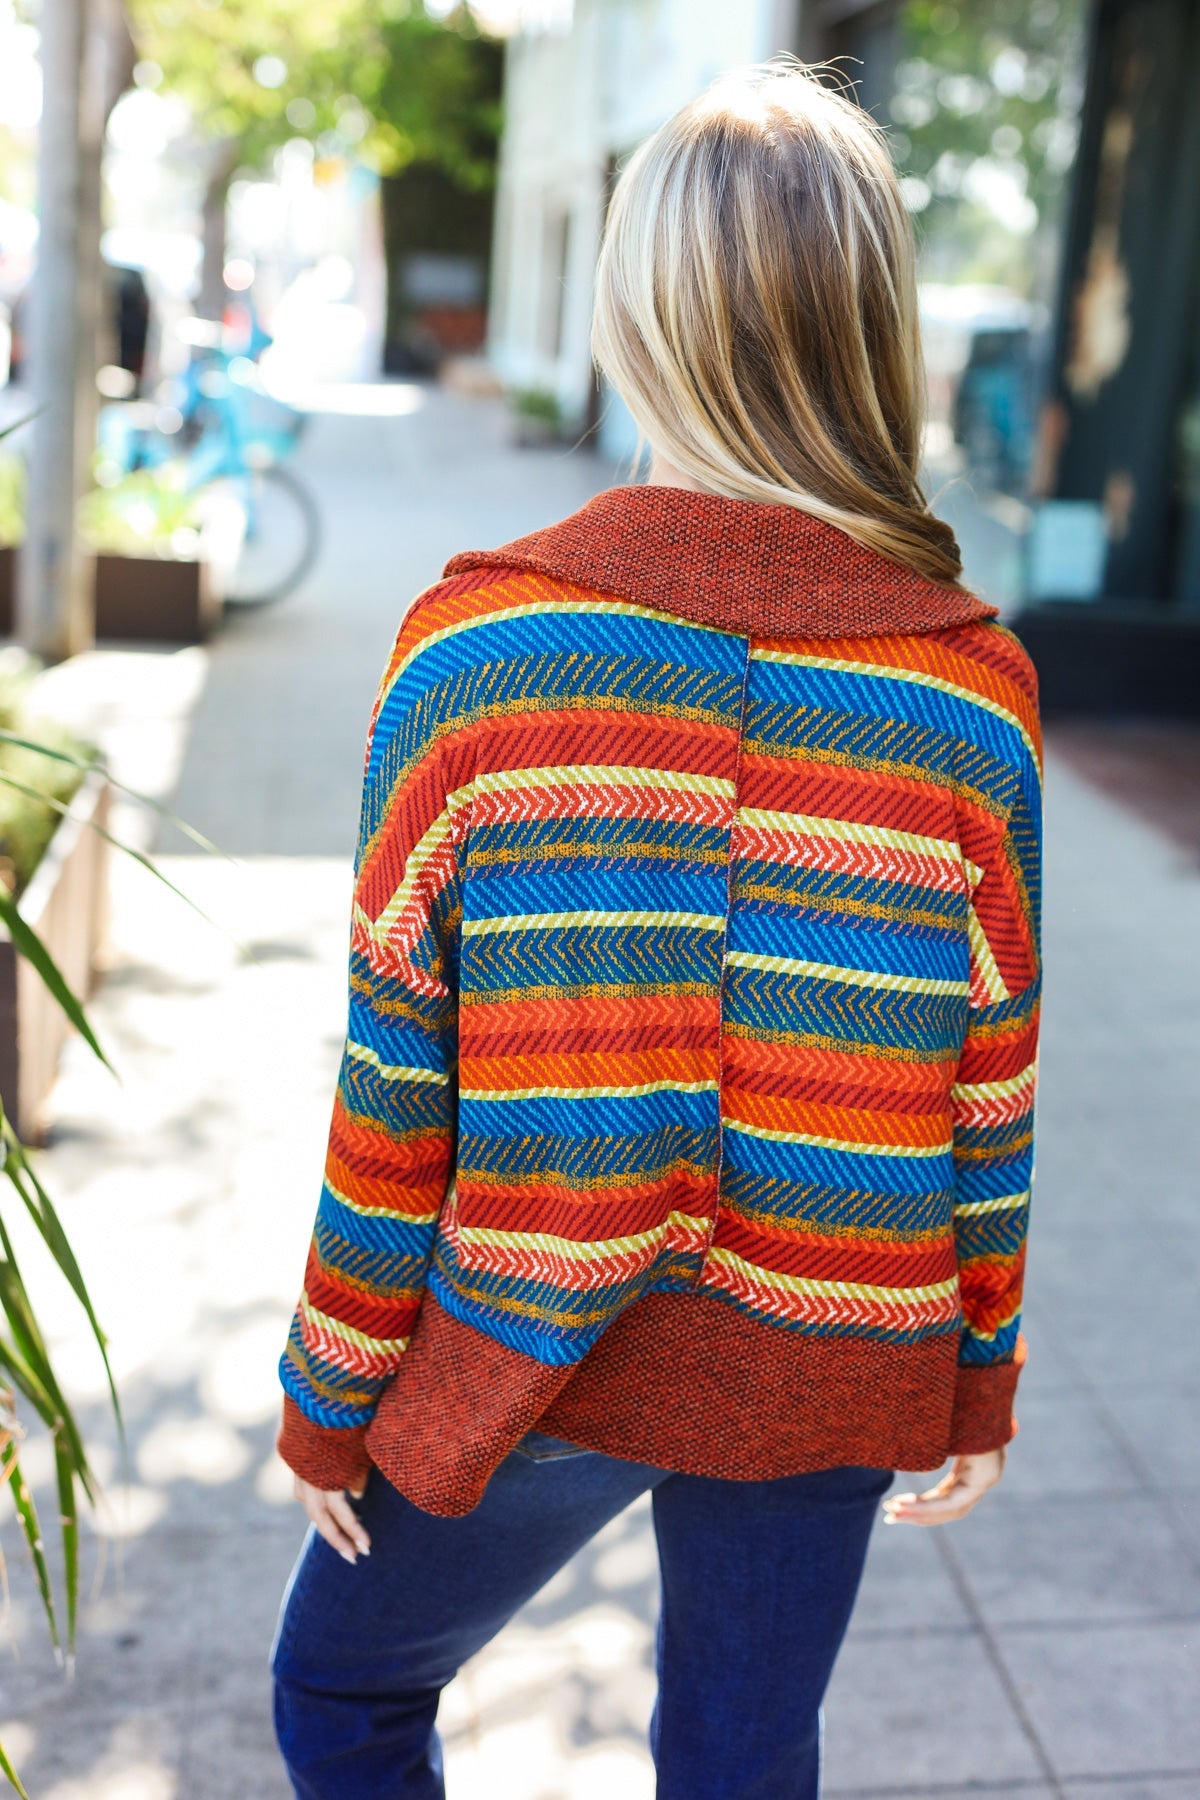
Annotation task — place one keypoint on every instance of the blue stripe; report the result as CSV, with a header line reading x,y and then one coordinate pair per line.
x,y
577,956
818,890
977,1353
873,951
385,1234
995,1179
765,1198
659,639
790,1005
655,888
880,697
586,1118
395,1041
928,1176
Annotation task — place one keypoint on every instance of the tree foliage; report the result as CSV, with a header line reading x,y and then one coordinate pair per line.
x,y
384,80
989,89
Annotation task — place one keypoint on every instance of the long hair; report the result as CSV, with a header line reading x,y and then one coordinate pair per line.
x,y
756,309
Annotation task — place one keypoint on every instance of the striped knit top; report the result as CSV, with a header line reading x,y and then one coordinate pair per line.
x,y
687,1099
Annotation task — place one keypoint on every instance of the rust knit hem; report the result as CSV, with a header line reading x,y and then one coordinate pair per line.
x,y
323,1457
682,1381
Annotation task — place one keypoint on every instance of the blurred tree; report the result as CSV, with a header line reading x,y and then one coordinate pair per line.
x,y
983,118
241,65
377,78
432,89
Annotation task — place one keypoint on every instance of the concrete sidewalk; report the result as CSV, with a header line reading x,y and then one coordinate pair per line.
x,y
1046,1646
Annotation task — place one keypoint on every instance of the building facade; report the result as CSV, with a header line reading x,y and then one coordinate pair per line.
x,y
1050,153
581,92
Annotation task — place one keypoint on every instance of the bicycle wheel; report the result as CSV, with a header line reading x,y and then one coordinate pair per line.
x,y
283,534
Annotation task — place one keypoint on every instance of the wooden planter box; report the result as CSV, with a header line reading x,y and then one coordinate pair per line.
x,y
155,599
66,903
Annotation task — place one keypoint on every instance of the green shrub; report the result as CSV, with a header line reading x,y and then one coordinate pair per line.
x,y
150,513
27,824
536,403
12,499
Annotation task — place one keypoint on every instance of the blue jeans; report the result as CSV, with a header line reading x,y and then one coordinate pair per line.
x,y
758,1583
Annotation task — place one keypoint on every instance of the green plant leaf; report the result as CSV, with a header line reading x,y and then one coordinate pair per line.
x,y
19,424
28,944
10,1467
27,1383
41,1209
88,763
10,1773
70,1458
139,856
29,1360
66,1472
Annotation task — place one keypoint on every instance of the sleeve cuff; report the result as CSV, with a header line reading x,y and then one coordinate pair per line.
x,y
326,1456
983,1405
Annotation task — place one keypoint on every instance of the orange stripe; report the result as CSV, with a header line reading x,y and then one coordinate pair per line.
x,y
678,1014
597,1069
848,1125
910,1086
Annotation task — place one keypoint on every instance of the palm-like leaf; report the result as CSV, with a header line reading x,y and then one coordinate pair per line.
x,y
24,1358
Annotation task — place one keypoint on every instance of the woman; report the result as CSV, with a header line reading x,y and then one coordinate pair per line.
x,y
683,1135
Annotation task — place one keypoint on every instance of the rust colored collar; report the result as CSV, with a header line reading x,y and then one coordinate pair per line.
x,y
740,565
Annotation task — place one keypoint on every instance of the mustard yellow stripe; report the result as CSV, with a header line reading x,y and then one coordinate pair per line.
x,y
395,1071
846,1144
533,609
596,920
349,1334
870,978
380,1212
1005,1203
918,676
680,781
995,1090
849,831
831,1290
574,1250
981,951
590,1093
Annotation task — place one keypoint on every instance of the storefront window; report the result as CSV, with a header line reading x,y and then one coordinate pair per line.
x,y
982,106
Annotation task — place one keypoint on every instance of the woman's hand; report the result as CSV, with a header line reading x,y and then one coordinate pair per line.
x,y
335,1518
955,1494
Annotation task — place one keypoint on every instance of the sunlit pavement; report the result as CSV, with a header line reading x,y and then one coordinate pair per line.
x,y
1044,1647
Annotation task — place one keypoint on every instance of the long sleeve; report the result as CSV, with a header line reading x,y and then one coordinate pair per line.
x,y
391,1141
993,1108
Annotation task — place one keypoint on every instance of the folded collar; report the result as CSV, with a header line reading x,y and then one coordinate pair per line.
x,y
739,565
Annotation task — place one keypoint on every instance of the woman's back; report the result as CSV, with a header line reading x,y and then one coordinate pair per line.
x,y
683,1139
737,935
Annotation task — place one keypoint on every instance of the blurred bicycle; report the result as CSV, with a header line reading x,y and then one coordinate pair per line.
x,y
233,440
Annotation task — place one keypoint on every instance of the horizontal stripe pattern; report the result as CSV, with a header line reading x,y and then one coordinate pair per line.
x,y
680,960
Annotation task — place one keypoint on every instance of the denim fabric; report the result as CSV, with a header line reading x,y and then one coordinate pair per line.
x,y
758,1583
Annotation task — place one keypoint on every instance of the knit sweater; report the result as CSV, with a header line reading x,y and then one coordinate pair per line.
x,y
686,1105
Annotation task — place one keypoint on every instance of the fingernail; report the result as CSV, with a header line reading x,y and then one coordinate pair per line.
x,y
348,1556
364,1549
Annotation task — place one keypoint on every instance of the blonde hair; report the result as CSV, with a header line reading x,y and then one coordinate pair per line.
x,y
756,309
